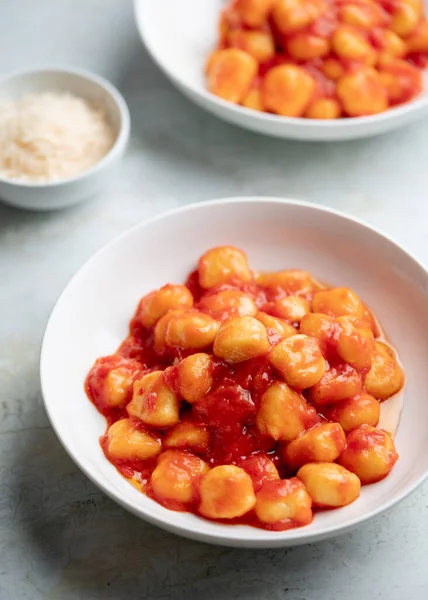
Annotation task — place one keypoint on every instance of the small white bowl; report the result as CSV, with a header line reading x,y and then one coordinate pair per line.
x,y
66,192
91,319
181,43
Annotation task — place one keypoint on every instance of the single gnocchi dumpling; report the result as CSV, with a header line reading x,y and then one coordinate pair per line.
x,y
259,44
228,303
348,43
226,492
221,265
418,5
362,94
355,343
254,98
417,41
241,338
194,330
401,80
260,468
306,46
329,485
405,18
294,15
109,382
362,409
287,90
118,385
283,503
291,308
321,327
324,108
370,453
332,68
390,44
230,74
153,402
338,302
337,383
365,16
195,376
161,328
254,13
386,376
277,329
175,479
126,441
156,304
283,414
292,281
323,443
299,360
187,435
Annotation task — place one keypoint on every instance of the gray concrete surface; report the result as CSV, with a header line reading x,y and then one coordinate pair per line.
x,y
62,539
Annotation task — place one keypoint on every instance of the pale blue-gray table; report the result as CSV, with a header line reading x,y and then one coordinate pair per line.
x,y
61,538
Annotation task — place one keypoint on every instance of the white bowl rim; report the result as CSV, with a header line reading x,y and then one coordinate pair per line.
x,y
260,538
352,123
119,143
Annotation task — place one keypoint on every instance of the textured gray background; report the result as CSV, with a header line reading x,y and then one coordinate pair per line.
x,y
60,538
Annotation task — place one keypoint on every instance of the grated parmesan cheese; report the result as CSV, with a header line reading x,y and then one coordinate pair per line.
x,y
51,136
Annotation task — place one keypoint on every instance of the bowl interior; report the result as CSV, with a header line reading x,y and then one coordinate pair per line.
x,y
22,84
181,44
91,318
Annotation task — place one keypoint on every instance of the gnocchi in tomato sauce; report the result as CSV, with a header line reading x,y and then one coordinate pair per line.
x,y
319,59
249,397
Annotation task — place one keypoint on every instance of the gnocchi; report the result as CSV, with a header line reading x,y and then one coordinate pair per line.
x,y
187,435
195,376
153,402
323,443
220,265
226,492
337,383
283,504
291,308
292,282
370,453
361,409
319,59
283,413
156,304
241,338
299,361
127,441
194,330
385,377
250,395
330,485
175,478
228,303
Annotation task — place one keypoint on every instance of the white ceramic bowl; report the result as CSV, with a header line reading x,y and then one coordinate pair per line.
x,y
180,44
66,192
91,318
